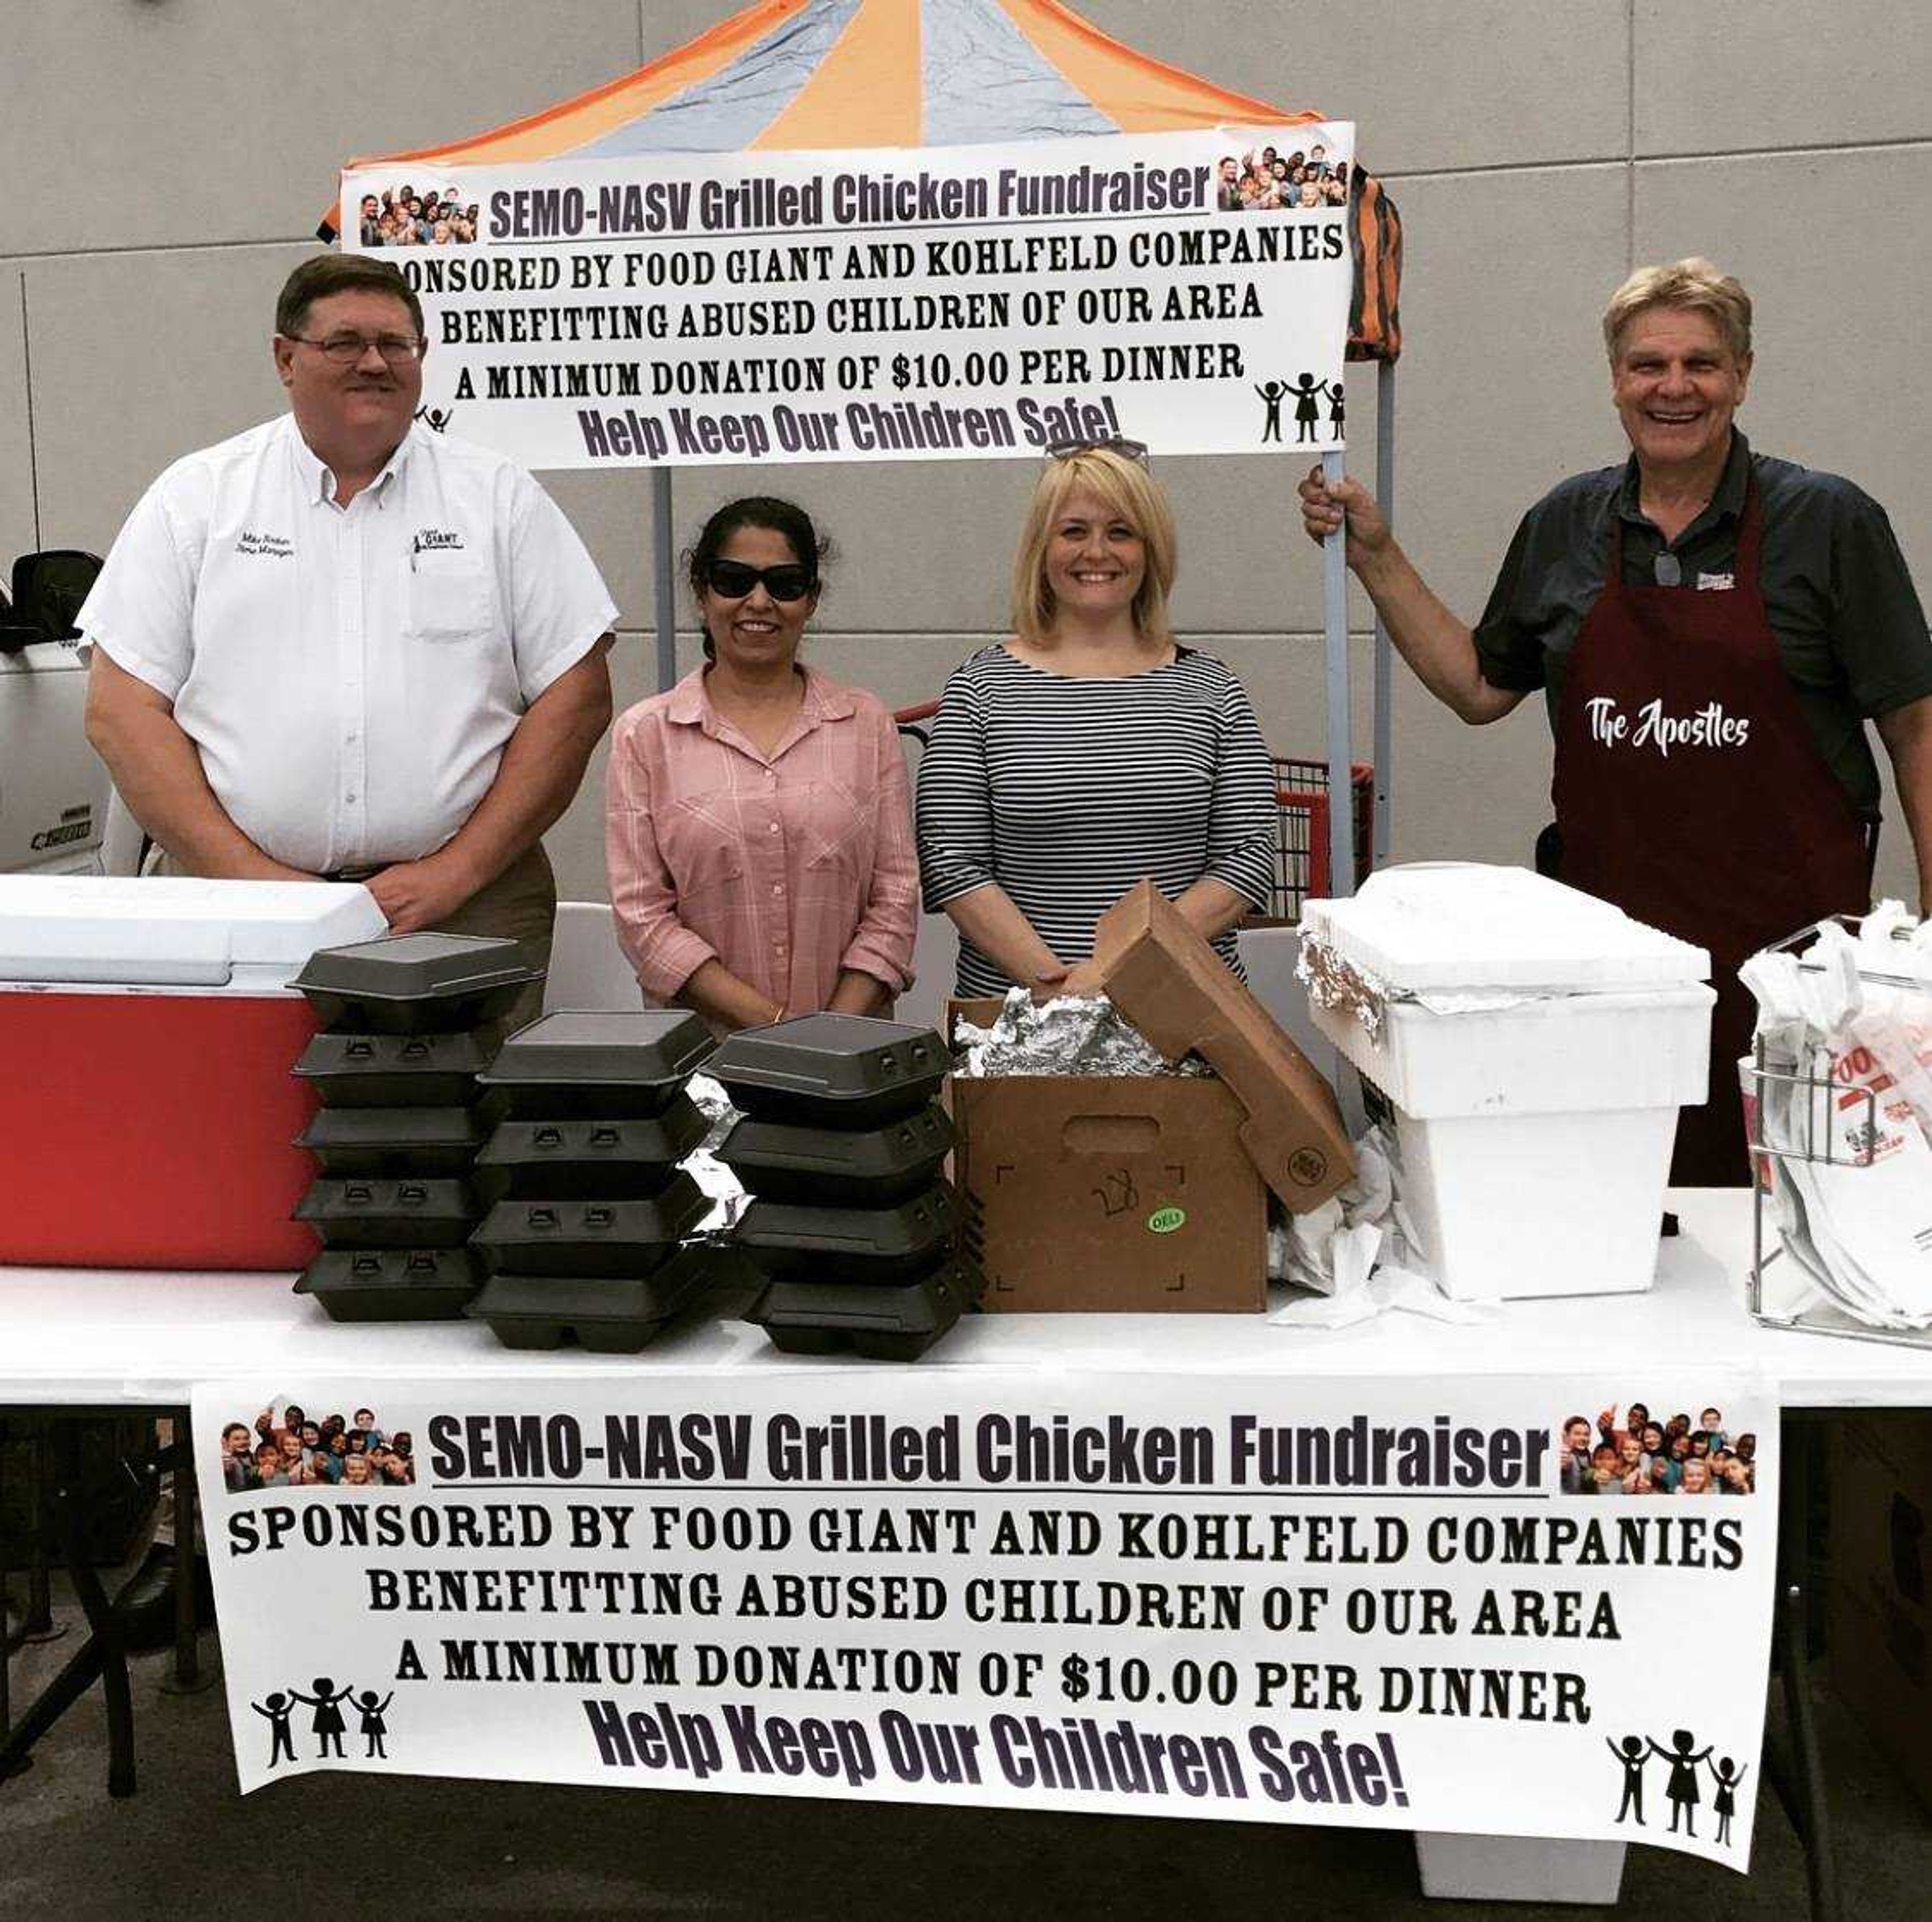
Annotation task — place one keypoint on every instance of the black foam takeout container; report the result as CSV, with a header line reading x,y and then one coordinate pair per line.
x,y
395,1070
878,1245
607,1314
859,1167
380,1211
392,1284
897,1323
396,1141
591,1237
613,1065
415,984
833,1070
589,1159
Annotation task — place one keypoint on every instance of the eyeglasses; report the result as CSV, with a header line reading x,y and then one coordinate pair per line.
x,y
399,350
732,581
1128,450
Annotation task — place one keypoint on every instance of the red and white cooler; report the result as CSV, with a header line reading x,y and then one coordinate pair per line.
x,y
148,1114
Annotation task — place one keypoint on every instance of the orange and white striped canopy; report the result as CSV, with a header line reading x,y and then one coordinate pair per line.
x,y
796,74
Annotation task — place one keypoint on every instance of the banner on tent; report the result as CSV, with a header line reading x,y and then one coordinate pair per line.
x,y
1190,291
1354,1602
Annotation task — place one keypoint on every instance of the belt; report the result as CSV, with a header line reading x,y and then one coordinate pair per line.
x,y
351,873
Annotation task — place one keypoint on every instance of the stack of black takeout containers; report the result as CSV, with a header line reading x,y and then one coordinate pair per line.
x,y
862,1243
591,1221
408,1024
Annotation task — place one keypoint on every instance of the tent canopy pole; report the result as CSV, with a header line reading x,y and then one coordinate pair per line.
x,y
1341,737
1385,662
663,562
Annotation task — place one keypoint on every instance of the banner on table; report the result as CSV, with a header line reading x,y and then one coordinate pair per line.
x,y
937,303
1354,1602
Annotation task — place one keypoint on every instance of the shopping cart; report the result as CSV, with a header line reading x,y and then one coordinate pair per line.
x,y
1301,861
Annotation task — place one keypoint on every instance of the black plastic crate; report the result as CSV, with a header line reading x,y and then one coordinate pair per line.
x,y
397,1070
392,1284
377,1213
834,1071
613,1065
593,1237
589,1159
415,984
396,1142
860,1167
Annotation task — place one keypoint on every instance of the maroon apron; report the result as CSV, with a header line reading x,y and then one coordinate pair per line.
x,y
1736,836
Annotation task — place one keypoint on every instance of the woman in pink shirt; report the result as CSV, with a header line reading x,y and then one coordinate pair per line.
x,y
758,815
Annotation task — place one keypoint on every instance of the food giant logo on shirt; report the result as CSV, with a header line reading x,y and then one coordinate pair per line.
x,y
435,540
1650,727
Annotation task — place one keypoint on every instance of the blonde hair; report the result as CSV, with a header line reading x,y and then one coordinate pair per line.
x,y
1124,487
1694,284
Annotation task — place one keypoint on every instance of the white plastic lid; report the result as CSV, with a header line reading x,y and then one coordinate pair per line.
x,y
162,931
1447,926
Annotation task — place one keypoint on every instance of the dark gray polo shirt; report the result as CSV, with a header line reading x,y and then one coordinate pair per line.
x,y
1849,629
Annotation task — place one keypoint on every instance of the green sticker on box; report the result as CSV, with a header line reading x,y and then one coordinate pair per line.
x,y
1165,1221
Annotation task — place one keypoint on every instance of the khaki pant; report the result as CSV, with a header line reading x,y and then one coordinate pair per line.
x,y
519,905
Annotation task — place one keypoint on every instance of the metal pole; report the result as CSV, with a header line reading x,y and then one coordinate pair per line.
x,y
1384,663
1341,719
663,562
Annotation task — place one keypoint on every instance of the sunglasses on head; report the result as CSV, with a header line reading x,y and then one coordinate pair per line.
x,y
1128,450
732,581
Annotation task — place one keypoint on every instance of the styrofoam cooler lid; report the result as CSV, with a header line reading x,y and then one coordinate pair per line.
x,y
163,931
1446,927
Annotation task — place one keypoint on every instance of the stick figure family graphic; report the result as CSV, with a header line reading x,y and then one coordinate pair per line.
x,y
327,1727
1306,393
1634,1751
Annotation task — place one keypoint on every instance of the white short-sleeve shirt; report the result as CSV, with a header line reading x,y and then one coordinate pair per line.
x,y
349,675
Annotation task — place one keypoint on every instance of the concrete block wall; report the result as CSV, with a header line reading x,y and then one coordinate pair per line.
x,y
1537,149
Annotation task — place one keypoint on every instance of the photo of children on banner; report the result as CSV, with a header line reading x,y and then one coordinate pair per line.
x,y
328,1724
400,217
1640,1454
1263,180
1683,1758
288,1450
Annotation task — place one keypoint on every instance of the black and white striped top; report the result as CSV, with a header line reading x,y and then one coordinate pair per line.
x,y
1066,792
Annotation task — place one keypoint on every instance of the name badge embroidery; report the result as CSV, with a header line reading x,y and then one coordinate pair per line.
x,y
1720,583
1709,726
265,546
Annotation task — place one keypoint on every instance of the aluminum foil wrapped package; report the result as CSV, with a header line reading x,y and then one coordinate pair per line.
x,y
1075,1035
726,1191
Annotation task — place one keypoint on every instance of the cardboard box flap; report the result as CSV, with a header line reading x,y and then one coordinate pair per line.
x,y
1166,979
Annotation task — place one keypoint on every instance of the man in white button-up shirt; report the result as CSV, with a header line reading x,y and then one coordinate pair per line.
x,y
341,645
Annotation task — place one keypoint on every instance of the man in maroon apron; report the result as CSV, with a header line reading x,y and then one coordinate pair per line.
x,y
1713,628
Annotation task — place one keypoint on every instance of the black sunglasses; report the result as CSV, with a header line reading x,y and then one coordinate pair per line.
x,y
732,581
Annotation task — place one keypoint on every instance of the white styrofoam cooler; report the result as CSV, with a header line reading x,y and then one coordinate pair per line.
x,y
1534,1047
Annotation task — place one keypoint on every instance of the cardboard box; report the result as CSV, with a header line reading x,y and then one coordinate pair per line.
x,y
1167,979
1879,1622
1124,1194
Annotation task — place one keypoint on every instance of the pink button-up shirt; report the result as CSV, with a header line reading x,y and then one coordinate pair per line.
x,y
787,867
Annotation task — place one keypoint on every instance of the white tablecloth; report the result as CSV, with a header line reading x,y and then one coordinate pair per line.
x,y
71,1336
